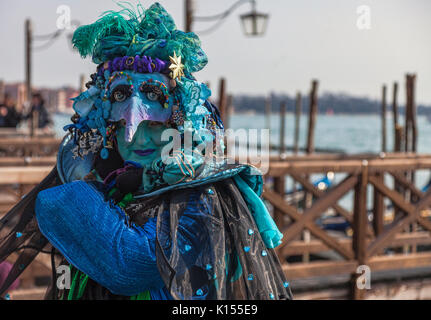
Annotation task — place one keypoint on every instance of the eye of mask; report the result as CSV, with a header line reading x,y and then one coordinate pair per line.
x,y
153,93
121,93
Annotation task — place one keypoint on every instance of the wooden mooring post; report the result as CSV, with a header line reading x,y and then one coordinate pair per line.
x,y
410,126
360,221
268,107
411,140
398,138
280,181
378,200
395,108
308,196
312,117
222,101
384,118
298,106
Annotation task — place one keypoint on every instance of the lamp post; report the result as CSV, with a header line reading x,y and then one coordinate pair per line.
x,y
188,4
28,47
254,23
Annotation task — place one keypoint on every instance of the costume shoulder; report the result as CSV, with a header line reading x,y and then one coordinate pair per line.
x,y
75,158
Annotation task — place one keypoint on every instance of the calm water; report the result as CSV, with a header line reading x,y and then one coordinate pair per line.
x,y
350,133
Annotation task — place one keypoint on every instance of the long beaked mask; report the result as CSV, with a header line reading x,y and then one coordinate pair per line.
x,y
140,97
139,43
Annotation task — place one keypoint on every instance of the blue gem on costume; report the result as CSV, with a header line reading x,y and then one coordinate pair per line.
x,y
250,277
21,266
7,296
209,267
264,253
250,232
246,249
286,284
104,153
271,296
210,191
18,234
199,292
187,247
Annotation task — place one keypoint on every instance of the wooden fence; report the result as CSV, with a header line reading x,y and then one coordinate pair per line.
x,y
407,234
28,147
369,240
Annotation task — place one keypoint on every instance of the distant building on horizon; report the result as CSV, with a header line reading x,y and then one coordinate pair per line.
x,y
18,92
56,100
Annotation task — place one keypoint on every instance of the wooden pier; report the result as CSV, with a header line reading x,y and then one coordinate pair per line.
x,y
389,247
371,236
388,217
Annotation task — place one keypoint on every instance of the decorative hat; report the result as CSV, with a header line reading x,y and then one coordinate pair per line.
x,y
141,41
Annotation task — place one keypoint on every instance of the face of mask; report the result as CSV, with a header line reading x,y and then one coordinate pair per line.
x,y
146,145
139,97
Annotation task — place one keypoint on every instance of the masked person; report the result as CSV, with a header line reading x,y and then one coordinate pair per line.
x,y
142,203
10,117
38,110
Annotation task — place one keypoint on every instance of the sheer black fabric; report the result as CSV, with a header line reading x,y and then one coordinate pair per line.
x,y
19,232
208,246
226,258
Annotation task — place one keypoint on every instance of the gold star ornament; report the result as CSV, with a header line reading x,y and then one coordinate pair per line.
x,y
177,67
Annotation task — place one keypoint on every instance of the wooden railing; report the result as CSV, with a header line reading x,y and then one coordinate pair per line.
x,y
369,240
366,243
17,180
28,147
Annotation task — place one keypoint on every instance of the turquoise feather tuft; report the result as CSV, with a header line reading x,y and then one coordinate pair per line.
x,y
111,23
135,31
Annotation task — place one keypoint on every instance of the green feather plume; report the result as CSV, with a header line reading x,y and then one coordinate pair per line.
x,y
111,23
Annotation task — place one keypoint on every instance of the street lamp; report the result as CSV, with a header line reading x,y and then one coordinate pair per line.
x,y
254,23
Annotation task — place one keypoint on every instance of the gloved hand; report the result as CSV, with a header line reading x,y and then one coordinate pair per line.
x,y
104,167
124,181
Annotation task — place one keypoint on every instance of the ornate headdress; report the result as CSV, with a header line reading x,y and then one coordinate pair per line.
x,y
141,41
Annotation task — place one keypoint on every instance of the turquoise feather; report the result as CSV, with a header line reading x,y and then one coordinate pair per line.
x,y
136,31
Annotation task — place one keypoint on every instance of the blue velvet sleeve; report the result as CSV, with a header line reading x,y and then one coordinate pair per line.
x,y
92,236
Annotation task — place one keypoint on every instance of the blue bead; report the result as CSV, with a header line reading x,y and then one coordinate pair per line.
x,y
250,232
271,296
264,253
7,296
286,284
18,234
246,249
250,277
199,292
104,153
210,191
21,266
187,247
209,267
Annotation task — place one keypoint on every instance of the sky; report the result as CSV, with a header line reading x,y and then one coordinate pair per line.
x,y
347,49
